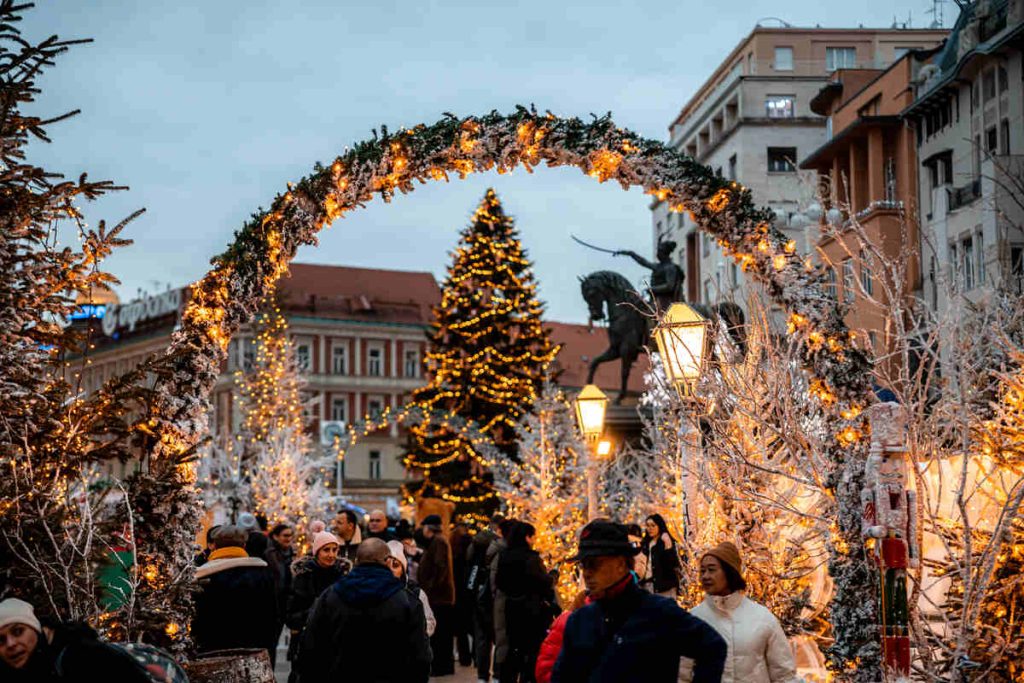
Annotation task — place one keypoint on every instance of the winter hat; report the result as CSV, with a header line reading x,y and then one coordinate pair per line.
x,y
602,538
247,521
316,526
432,520
398,552
728,553
322,538
15,611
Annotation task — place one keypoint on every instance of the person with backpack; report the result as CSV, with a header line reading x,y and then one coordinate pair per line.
x,y
478,585
662,567
530,604
37,653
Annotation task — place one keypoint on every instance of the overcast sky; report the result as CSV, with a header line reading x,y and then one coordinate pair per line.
x,y
206,108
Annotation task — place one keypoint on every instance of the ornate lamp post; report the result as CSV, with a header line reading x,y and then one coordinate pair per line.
x,y
591,406
683,339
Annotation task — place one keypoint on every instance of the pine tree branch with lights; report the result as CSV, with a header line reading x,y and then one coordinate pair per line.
x,y
486,360
286,477
547,486
62,522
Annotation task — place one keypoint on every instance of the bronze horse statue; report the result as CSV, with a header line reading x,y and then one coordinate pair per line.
x,y
631,320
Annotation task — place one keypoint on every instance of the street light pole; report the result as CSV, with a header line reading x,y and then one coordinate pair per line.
x,y
591,406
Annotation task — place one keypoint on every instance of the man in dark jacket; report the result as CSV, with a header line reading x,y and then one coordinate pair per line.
x,y
377,527
354,625
436,578
236,606
627,634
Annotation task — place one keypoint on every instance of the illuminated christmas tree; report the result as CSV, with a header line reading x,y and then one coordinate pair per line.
x,y
486,361
548,486
286,477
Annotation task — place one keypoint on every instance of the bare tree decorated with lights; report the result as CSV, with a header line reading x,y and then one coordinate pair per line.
x,y
486,362
285,476
547,486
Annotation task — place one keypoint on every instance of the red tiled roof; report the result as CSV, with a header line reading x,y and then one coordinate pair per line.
x,y
364,294
579,345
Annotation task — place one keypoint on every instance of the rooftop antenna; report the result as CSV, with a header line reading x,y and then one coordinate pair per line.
x,y
783,22
938,16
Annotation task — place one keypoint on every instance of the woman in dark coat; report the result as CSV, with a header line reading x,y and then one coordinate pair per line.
x,y
313,574
662,556
530,603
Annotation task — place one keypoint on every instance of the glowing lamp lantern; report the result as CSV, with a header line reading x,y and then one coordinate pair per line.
x,y
683,337
591,406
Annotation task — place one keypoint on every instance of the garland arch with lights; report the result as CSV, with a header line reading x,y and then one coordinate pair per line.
x,y
229,295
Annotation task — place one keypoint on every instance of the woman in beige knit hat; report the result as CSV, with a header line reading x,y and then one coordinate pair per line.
x,y
759,651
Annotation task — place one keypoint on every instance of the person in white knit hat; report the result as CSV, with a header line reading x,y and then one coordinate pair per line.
x,y
399,565
312,575
30,651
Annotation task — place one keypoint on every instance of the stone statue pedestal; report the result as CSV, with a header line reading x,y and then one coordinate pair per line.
x,y
622,422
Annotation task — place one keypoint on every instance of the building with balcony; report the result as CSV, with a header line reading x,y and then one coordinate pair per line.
x,y
868,180
752,122
360,338
969,115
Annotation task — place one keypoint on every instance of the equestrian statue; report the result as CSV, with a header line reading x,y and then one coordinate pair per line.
x,y
631,318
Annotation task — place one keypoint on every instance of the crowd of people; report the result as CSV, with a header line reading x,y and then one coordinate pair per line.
x,y
403,603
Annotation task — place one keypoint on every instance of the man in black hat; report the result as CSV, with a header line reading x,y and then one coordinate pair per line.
x,y
627,634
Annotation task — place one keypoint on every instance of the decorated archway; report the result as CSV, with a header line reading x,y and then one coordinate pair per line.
x,y
228,297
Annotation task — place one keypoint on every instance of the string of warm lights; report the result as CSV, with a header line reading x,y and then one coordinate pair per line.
x,y
395,162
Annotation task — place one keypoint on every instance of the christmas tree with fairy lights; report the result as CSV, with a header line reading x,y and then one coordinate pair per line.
x,y
286,477
486,361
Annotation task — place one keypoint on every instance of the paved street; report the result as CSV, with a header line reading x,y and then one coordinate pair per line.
x,y
463,674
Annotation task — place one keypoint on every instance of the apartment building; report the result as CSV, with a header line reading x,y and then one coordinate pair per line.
x,y
360,336
868,173
752,122
969,114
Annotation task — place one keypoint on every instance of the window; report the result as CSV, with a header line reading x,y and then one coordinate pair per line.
x,y
732,169
988,85
375,407
375,361
733,274
840,58
975,96
339,409
866,276
780,106
932,275
1017,268
705,245
248,354
782,159
830,282
374,464
1004,80
991,140
890,179
412,363
302,357
339,360
783,59
967,265
707,291
979,266
1004,127
849,282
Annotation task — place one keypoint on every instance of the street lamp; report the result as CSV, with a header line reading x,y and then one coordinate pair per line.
x,y
591,406
683,336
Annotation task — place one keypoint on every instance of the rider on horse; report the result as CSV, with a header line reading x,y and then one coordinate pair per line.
x,y
666,286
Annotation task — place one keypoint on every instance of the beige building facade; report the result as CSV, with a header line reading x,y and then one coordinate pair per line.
x,y
751,121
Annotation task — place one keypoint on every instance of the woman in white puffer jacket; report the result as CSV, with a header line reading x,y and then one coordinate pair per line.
x,y
758,649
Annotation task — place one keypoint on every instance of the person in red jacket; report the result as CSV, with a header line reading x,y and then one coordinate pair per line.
x,y
552,645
